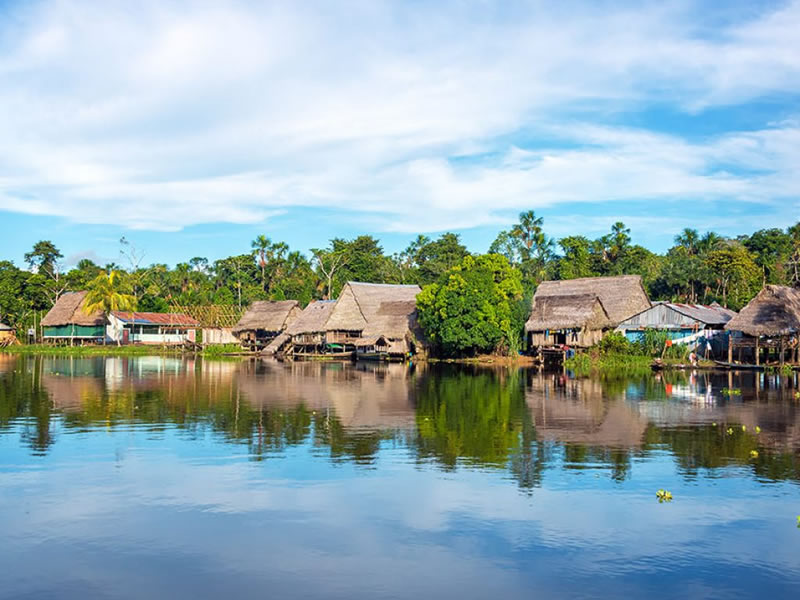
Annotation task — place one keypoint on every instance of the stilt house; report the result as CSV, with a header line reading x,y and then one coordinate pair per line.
x,y
68,323
578,312
769,324
264,321
307,332
695,325
374,318
579,320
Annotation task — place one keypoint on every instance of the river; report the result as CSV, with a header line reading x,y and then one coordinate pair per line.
x,y
160,477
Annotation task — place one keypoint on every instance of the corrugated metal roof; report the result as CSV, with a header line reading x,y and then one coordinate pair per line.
x,y
713,314
148,318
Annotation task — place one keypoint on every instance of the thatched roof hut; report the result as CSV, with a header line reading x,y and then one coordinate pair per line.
x,y
775,311
621,297
68,310
568,312
268,316
312,319
360,304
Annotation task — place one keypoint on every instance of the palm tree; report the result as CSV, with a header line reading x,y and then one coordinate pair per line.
x,y
105,295
689,239
261,244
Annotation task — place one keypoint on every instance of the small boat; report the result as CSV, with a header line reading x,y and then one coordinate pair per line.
x,y
738,367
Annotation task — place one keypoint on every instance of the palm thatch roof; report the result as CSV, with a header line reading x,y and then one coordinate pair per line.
x,y
312,319
268,316
68,310
360,304
774,311
622,296
568,312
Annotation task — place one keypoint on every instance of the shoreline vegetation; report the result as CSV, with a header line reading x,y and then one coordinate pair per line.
x,y
472,307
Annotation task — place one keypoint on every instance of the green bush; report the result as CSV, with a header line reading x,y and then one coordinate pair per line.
x,y
615,343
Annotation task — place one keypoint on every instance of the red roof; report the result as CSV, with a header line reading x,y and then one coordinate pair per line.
x,y
150,318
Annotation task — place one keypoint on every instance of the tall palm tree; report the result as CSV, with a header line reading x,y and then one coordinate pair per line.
x,y
105,295
689,239
261,244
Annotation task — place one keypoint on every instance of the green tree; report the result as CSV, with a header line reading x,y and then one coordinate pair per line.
x,y
576,261
107,293
737,275
470,309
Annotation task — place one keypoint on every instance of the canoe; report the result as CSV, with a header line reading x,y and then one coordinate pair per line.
x,y
738,367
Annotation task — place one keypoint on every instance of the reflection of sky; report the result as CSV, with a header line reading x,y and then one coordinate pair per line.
x,y
123,513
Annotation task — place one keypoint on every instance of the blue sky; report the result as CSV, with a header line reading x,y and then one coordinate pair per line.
x,y
192,127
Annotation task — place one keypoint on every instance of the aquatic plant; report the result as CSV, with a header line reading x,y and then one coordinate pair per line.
x,y
758,429
730,430
753,453
664,496
731,391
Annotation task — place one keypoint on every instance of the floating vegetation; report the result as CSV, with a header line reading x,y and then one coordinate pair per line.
x,y
798,521
753,453
731,391
730,430
665,496
744,427
758,429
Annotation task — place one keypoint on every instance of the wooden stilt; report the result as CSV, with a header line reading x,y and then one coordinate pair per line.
x,y
757,357
783,347
730,349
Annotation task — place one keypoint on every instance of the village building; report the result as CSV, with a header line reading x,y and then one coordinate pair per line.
x,y
696,325
767,328
377,320
151,328
307,332
579,312
264,321
68,323
579,321
7,335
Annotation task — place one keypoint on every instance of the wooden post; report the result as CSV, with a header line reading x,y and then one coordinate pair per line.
x,y
730,348
783,347
757,359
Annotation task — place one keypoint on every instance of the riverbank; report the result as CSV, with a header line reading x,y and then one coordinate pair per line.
x,y
113,350
597,362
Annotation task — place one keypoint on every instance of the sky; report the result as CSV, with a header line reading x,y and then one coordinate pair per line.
x,y
192,127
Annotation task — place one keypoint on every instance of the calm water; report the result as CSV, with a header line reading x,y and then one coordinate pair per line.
x,y
165,478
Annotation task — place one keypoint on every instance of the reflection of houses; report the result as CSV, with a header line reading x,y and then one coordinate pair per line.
x,y
375,318
151,328
683,323
307,332
583,309
578,412
770,323
264,321
67,321
373,397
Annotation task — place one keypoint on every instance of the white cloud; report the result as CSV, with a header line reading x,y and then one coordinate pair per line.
x,y
162,116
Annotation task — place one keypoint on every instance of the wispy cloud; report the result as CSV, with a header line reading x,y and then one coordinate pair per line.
x,y
163,115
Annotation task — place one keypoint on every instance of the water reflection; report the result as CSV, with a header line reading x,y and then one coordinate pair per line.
x,y
169,477
448,416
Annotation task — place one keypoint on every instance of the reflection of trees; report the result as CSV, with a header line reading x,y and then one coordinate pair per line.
x,y
477,416
521,421
22,397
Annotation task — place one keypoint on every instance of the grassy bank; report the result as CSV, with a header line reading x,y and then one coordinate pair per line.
x,y
587,363
114,350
